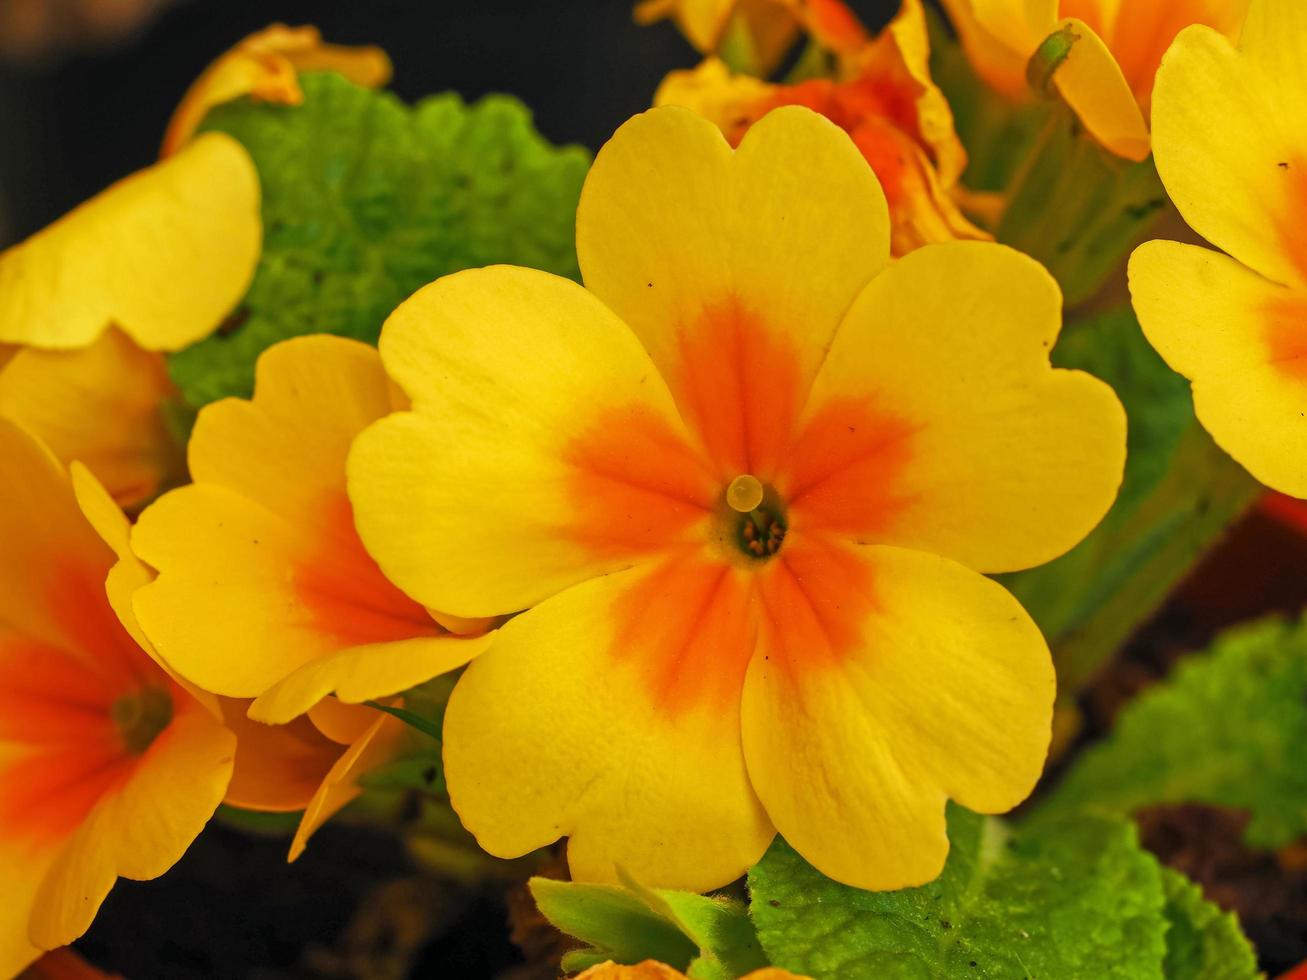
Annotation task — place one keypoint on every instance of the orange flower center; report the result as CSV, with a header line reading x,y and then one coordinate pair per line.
x,y
749,525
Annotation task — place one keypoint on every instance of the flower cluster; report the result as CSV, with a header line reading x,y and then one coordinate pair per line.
x,y
707,538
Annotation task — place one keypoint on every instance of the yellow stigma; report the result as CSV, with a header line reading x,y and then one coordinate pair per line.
x,y
744,493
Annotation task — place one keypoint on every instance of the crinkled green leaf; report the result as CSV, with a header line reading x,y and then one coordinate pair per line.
x,y
1203,942
1227,729
1065,899
710,938
1179,493
366,199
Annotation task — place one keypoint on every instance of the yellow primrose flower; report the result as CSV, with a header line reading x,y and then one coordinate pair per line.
x,y
101,405
163,254
264,590
1107,78
887,102
108,767
745,483
1230,138
766,29
266,66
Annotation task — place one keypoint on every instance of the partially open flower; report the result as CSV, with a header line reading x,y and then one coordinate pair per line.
x,y
266,66
108,766
885,100
163,255
746,484
264,590
1106,74
1230,137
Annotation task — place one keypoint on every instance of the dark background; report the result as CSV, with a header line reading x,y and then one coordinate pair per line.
x,y
72,121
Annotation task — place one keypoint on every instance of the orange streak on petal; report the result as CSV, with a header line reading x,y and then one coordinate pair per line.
x,y
635,484
344,591
845,467
76,591
1290,226
48,793
815,595
47,697
739,386
62,750
1286,334
689,629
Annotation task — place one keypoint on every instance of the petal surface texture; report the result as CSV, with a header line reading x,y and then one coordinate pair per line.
x,y
163,254
566,710
261,573
937,424
102,405
543,448
788,227
942,689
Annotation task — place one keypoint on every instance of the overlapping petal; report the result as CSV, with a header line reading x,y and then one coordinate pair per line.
x,y
102,405
163,254
542,449
1237,171
937,424
1239,337
560,730
940,687
1228,130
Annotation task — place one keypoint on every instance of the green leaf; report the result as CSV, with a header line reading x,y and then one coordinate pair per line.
x,y
711,938
1203,943
409,718
366,199
1179,493
1074,898
1227,729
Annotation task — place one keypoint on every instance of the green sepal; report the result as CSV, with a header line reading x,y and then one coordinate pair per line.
x,y
710,938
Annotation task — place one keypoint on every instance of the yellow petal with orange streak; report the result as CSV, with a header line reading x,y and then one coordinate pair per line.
x,y
591,468
163,254
610,714
141,829
940,686
1239,338
938,424
672,223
